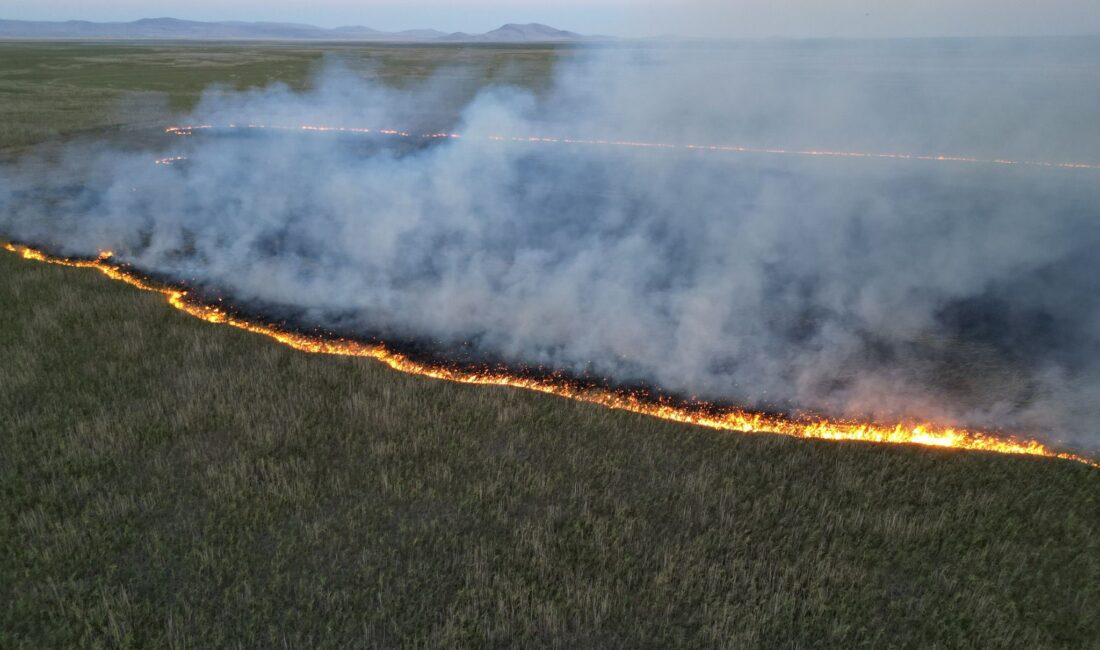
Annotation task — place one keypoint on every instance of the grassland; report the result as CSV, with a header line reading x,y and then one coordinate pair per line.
x,y
167,482
62,89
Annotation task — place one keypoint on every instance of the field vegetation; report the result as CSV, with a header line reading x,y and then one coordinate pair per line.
x,y
171,483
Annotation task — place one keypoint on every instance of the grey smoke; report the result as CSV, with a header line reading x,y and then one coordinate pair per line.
x,y
963,293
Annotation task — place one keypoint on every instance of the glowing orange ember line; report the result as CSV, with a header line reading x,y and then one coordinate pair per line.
x,y
723,419
812,153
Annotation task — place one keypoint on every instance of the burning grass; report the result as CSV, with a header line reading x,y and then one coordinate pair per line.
x,y
635,401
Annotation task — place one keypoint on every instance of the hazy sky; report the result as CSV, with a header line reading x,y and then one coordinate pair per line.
x,y
752,18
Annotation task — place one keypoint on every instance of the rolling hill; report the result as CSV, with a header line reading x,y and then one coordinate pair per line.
x,y
175,29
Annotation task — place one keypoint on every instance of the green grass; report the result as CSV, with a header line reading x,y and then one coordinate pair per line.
x,y
59,89
166,482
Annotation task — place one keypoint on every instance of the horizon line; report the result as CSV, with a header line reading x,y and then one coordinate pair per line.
x,y
445,33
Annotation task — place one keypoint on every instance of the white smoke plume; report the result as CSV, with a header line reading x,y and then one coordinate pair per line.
x,y
951,291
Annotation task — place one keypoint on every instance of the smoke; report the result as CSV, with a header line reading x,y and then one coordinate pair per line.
x,y
960,293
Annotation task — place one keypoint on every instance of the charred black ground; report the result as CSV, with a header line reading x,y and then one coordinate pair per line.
x,y
468,359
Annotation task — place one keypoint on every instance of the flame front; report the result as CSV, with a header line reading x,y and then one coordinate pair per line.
x,y
723,419
714,148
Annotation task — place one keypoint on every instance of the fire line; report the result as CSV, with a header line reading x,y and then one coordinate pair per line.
x,y
717,148
725,419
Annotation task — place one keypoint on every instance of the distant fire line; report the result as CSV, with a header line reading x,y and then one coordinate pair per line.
x,y
808,153
727,419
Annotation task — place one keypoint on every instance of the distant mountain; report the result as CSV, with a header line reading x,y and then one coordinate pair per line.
x,y
512,33
173,28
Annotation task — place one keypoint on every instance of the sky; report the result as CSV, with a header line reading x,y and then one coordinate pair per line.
x,y
731,18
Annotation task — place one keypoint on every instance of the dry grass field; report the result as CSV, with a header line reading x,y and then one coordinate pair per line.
x,y
170,483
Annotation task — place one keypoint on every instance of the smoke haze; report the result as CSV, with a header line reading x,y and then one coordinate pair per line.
x,y
961,293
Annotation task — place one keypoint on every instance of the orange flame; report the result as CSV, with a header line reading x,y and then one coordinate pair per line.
x,y
722,419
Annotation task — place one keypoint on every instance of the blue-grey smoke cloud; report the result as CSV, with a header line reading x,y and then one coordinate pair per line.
x,y
949,291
